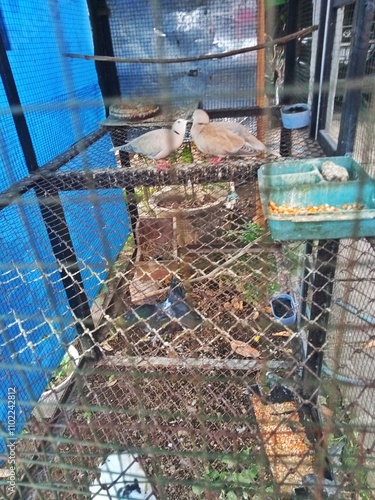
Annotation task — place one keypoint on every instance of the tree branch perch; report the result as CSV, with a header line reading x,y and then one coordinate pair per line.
x,y
277,41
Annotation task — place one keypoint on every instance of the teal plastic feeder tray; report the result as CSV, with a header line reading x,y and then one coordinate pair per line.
x,y
344,209
296,115
284,308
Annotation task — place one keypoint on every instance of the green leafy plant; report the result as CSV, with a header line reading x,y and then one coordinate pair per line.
x,y
252,294
273,287
352,460
251,231
294,255
235,480
186,155
64,369
211,187
87,415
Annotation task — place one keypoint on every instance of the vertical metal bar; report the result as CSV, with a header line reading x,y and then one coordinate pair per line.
x,y
261,70
326,36
17,113
285,142
289,73
101,31
361,30
62,245
110,87
305,280
52,214
119,138
317,329
291,47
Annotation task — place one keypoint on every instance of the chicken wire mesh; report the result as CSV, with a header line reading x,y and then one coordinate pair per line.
x,y
221,363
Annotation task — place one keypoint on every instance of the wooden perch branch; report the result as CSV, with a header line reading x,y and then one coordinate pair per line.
x,y
277,41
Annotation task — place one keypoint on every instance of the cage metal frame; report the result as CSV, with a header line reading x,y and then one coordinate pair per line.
x,y
47,182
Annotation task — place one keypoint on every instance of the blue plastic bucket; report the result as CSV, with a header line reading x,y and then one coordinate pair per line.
x,y
296,119
284,308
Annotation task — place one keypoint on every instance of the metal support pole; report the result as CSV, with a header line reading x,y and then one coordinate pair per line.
x,y
317,329
290,70
110,87
101,31
118,139
62,245
305,279
52,214
325,41
362,28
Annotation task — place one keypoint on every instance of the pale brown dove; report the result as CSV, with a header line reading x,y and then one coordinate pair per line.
x,y
223,138
157,144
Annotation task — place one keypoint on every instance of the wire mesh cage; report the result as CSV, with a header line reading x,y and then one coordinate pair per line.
x,y
186,299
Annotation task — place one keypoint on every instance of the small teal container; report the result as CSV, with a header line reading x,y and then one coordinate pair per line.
x,y
296,115
299,184
284,308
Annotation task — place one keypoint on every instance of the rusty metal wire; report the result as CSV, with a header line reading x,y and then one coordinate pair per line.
x,y
160,283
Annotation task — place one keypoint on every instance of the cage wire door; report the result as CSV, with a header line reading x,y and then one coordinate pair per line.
x,y
184,328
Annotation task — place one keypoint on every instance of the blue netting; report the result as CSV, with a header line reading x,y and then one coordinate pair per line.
x,y
101,213
12,162
62,104
61,96
35,317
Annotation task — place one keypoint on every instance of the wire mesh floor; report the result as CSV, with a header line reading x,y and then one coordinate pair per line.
x,y
182,398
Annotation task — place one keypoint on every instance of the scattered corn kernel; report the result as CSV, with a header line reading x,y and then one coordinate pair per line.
x,y
311,209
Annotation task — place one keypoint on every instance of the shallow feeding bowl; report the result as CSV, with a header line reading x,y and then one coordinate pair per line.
x,y
296,115
284,308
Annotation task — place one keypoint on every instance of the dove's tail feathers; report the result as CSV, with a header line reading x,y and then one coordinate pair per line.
x,y
256,144
125,147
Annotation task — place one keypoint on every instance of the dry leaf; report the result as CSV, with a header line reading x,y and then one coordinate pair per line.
x,y
244,349
268,310
326,412
112,382
106,347
369,344
237,304
227,305
254,315
282,333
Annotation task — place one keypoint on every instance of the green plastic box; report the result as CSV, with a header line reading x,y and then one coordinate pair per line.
x,y
299,184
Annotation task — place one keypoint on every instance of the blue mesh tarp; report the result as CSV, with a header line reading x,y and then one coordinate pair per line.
x,y
62,103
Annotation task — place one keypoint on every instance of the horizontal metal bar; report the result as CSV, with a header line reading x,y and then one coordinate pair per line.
x,y
341,3
354,280
23,186
368,318
197,363
241,112
240,170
